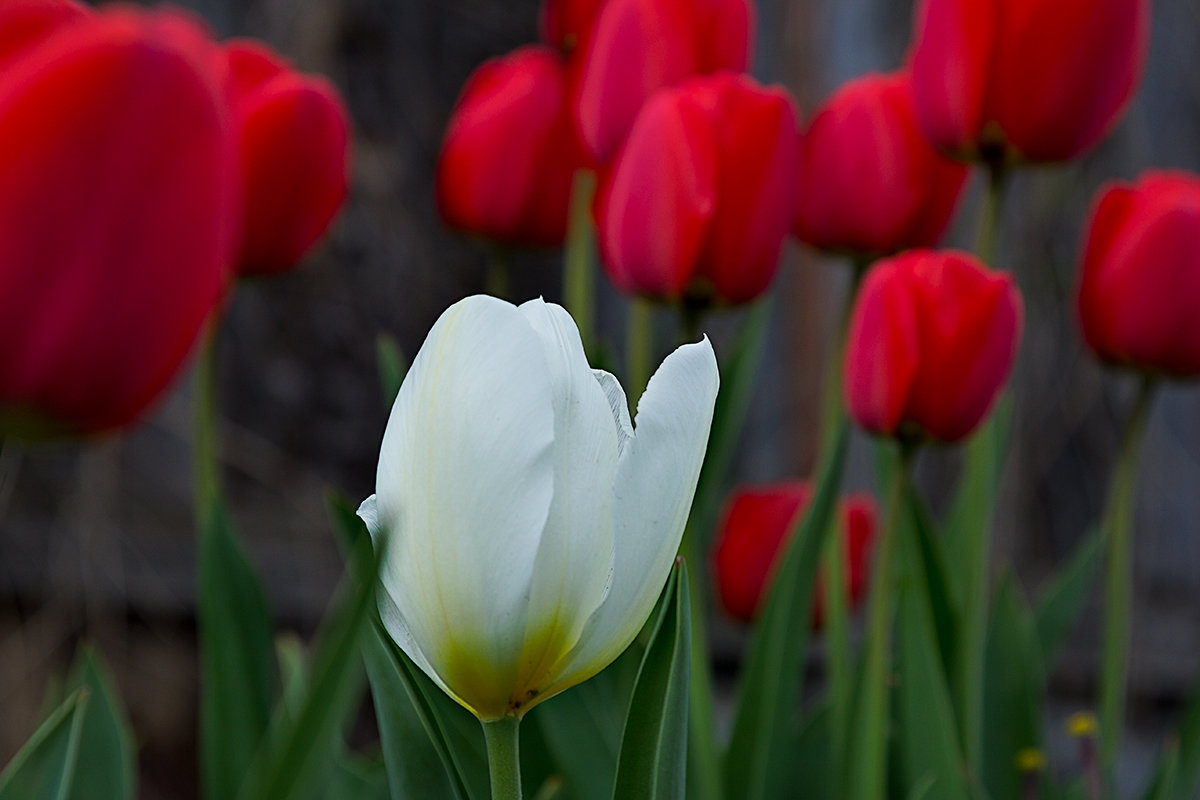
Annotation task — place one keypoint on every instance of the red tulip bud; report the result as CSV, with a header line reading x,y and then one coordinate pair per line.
x,y
755,531
699,198
869,181
1141,274
932,340
119,201
510,153
1045,79
293,135
636,47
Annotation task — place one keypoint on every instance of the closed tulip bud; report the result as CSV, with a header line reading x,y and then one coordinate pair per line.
x,y
1141,274
635,47
510,154
700,197
119,200
755,532
869,181
932,340
532,526
1034,80
292,132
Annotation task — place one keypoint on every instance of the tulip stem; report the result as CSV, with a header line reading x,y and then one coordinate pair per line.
x,y
504,761
498,281
867,778
204,446
1117,529
579,261
639,347
993,213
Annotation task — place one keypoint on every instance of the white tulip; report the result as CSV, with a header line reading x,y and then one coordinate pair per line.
x,y
531,527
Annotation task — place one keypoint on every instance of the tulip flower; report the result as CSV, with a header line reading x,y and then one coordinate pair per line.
x,y
1141,274
292,132
24,22
510,153
869,181
532,527
1034,80
932,339
119,199
634,47
755,531
699,198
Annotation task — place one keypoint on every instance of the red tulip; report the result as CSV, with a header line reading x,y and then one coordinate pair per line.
x,y
1141,274
565,24
1044,80
635,47
510,153
932,340
119,200
25,22
699,198
869,181
755,531
292,131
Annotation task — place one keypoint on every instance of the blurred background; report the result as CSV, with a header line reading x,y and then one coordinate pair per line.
x,y
96,541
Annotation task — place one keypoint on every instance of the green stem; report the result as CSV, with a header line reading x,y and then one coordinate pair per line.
x,y
498,280
704,769
993,212
868,765
1117,527
206,471
504,760
639,347
579,265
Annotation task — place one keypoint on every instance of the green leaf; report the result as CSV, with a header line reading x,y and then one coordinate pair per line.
x,y
653,759
45,766
757,765
1063,601
391,365
582,726
298,755
360,778
105,765
936,575
811,776
236,655
1186,758
930,747
1014,683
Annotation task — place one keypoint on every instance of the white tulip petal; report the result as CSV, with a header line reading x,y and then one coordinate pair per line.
x,y
464,488
570,577
652,495
618,404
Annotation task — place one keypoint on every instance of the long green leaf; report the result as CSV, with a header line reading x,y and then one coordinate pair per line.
x,y
811,777
298,756
653,759
45,766
1184,751
105,765
936,574
1014,683
1063,601
930,745
236,655
392,367
756,767
582,726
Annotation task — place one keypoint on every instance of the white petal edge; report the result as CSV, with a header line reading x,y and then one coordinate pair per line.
x,y
464,487
574,559
652,496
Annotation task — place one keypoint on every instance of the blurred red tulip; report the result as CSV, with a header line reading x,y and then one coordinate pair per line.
x,y
932,340
565,24
292,132
1043,79
869,181
510,153
25,22
119,199
755,531
699,198
1141,274
634,47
